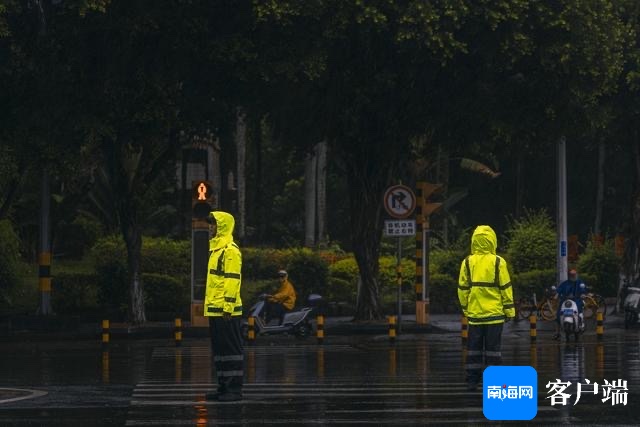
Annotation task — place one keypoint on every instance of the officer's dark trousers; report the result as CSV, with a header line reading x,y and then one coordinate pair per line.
x,y
228,353
483,347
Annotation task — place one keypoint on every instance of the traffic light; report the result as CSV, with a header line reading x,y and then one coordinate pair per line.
x,y
202,199
425,191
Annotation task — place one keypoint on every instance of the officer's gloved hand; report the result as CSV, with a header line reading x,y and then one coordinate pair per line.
x,y
226,316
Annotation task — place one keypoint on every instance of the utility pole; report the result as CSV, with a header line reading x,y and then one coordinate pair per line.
x,y
561,212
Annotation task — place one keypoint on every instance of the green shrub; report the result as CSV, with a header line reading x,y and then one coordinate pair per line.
x,y
109,255
389,278
74,293
164,293
340,290
531,243
446,261
159,257
308,272
344,275
600,264
261,264
250,290
342,284
165,256
25,297
76,238
10,264
443,293
528,282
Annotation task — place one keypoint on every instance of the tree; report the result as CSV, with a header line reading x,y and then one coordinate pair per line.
x,y
134,60
363,73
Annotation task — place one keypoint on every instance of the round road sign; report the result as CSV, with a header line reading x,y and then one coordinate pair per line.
x,y
399,201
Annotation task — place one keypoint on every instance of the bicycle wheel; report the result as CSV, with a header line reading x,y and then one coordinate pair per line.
x,y
524,307
548,311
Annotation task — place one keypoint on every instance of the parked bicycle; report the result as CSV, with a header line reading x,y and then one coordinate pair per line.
x,y
594,303
546,309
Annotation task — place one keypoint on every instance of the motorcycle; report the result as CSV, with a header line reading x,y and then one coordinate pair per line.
x,y
296,322
571,321
631,306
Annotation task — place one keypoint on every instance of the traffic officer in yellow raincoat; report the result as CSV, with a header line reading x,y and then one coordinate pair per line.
x,y
223,306
486,299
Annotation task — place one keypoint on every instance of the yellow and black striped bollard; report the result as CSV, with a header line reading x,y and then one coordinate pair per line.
x,y
599,325
320,328
392,329
251,331
464,329
177,332
105,334
533,327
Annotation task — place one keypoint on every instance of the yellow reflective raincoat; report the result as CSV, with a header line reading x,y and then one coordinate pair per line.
x,y
286,295
225,262
484,286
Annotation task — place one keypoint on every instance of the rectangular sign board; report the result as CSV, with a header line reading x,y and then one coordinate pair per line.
x,y
400,227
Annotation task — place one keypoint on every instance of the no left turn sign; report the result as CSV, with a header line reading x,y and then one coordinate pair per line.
x,y
399,201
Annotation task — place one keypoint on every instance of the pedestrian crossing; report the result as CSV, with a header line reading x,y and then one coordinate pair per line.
x,y
312,403
292,385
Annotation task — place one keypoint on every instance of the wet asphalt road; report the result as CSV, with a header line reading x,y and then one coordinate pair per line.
x,y
347,380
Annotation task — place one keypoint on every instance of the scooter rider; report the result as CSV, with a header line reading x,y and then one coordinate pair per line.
x,y
572,288
282,301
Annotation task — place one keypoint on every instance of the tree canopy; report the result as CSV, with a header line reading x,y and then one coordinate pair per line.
x,y
106,92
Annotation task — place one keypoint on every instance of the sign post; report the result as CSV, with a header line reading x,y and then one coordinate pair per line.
x,y
399,202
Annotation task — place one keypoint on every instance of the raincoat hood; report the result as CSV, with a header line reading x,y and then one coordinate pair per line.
x,y
484,240
225,224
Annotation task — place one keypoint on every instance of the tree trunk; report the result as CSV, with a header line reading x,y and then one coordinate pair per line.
x,y
321,152
310,199
600,188
520,177
366,188
13,189
133,240
442,174
241,147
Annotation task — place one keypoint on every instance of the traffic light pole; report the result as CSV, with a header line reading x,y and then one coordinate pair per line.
x,y
425,209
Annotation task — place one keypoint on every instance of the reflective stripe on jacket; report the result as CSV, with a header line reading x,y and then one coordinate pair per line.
x,y
222,294
484,286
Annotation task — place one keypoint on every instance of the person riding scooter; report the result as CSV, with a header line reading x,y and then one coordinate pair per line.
x,y
574,289
282,301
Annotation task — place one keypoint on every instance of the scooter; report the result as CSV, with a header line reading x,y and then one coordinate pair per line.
x,y
631,306
296,322
571,321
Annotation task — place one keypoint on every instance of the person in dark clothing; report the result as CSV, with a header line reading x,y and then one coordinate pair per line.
x,y
575,289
